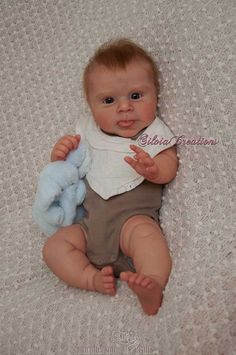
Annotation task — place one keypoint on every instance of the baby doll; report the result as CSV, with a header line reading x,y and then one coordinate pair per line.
x,y
120,234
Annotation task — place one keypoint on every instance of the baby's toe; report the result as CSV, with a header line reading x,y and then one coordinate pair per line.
x,y
151,285
139,279
108,279
146,282
107,270
125,275
133,278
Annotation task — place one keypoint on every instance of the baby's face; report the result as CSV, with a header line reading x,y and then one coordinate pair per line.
x,y
123,102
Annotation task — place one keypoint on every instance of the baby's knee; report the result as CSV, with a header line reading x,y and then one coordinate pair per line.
x,y
143,227
64,240
138,228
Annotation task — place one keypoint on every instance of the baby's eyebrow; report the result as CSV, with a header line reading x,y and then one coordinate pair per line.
x,y
140,88
103,94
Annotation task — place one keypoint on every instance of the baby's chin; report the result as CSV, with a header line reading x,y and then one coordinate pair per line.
x,y
124,133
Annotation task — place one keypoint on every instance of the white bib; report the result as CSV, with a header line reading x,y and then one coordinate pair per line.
x,y
109,174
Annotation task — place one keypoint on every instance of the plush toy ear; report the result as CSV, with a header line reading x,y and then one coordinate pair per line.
x,y
84,168
63,173
47,192
80,192
80,158
68,203
76,157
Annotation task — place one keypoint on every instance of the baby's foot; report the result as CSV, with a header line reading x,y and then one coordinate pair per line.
x,y
104,281
148,290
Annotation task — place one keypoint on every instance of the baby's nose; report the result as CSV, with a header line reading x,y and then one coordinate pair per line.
x,y
124,104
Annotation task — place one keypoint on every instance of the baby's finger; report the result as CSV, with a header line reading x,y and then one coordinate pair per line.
x,y
62,148
130,161
60,154
74,141
70,142
66,143
148,161
140,153
77,137
137,149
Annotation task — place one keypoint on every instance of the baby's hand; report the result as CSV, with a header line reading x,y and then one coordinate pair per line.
x,y
142,163
63,147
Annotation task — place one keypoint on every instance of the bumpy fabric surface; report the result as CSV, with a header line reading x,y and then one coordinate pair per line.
x,y
44,48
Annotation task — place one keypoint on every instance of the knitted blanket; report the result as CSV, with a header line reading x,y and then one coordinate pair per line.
x,y
45,46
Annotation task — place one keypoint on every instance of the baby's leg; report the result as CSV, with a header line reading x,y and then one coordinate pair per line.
x,y
141,239
64,254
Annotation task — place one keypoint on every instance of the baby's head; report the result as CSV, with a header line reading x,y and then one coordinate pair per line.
x,y
121,87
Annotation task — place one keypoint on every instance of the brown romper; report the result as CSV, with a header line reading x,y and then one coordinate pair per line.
x,y
104,219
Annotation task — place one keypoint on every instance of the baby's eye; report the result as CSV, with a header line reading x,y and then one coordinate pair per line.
x,y
108,100
136,95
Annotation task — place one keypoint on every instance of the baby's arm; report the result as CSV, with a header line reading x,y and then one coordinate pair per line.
x,y
160,170
63,147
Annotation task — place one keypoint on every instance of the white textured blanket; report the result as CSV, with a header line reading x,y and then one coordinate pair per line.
x,y
44,47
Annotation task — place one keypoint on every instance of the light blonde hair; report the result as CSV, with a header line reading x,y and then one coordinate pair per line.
x,y
117,54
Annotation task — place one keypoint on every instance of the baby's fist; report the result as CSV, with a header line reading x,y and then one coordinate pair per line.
x,y
63,147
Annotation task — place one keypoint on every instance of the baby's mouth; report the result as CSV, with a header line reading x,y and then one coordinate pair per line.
x,y
126,123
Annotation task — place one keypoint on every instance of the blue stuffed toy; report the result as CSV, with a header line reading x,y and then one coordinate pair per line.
x,y
61,191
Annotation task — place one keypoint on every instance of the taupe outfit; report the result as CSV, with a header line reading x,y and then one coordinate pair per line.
x,y
105,218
